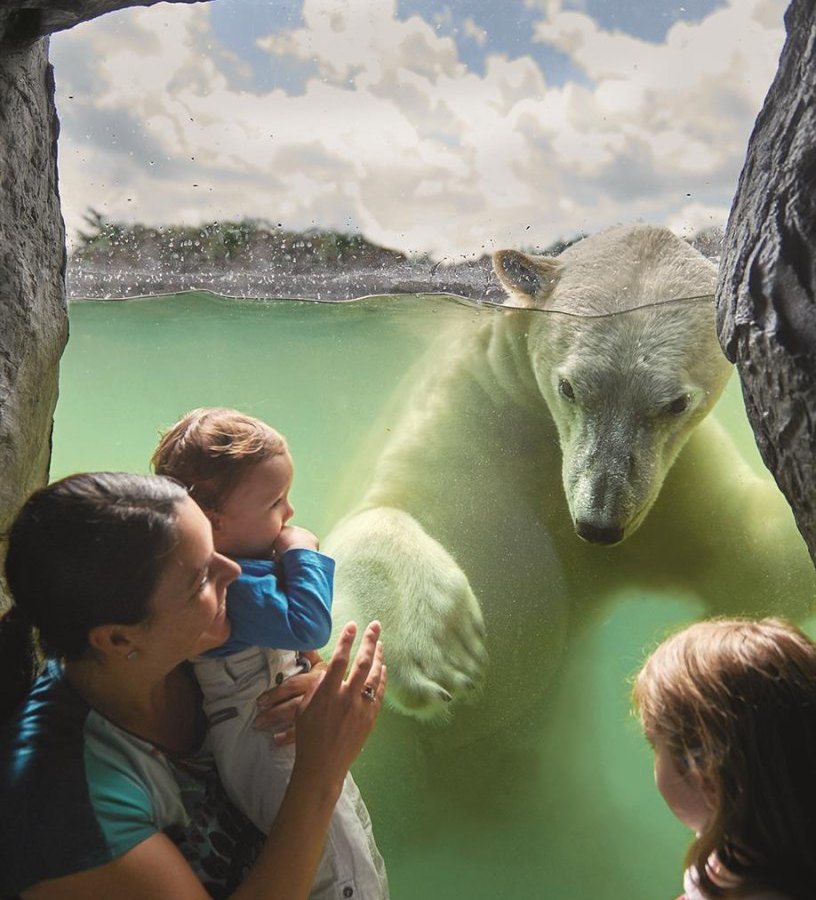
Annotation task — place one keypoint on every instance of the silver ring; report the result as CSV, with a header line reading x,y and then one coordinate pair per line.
x,y
369,693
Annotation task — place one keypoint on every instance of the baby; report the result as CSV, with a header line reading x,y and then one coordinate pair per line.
x,y
239,471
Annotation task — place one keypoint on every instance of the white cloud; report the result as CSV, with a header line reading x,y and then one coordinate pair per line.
x,y
395,136
695,217
691,98
475,32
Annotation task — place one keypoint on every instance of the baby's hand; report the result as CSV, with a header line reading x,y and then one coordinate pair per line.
x,y
293,536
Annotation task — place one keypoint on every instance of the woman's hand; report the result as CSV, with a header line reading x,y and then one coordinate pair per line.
x,y
334,720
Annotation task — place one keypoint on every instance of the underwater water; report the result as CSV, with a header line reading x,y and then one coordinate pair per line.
x,y
541,787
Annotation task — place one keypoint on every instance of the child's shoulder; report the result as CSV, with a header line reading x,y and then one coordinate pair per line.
x,y
692,892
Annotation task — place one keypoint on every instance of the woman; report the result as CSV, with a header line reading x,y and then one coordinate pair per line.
x,y
106,785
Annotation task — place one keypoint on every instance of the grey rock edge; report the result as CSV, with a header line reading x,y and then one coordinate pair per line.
x,y
767,283
33,320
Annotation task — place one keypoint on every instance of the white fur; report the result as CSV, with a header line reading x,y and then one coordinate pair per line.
x,y
466,524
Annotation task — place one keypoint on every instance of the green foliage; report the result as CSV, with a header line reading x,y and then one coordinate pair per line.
x,y
556,247
221,244
102,232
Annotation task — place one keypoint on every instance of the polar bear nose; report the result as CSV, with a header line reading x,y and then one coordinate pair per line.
x,y
598,534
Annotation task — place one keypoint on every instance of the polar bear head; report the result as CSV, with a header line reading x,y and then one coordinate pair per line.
x,y
624,350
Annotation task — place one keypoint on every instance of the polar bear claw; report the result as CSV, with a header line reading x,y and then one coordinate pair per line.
x,y
390,569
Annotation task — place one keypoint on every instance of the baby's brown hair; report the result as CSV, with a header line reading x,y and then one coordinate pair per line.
x,y
211,448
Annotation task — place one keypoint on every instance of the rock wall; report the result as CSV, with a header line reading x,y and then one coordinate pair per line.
x,y
33,319
24,21
766,296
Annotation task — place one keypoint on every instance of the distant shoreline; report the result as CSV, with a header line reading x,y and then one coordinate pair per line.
x,y
474,280
256,259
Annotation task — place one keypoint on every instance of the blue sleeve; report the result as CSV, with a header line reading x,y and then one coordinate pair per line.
x,y
284,605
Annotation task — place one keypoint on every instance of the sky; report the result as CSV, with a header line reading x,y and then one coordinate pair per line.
x,y
448,128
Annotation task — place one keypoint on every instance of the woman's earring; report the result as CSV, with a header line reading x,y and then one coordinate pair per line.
x,y
133,654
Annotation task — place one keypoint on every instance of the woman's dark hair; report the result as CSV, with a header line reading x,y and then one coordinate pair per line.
x,y
734,701
85,551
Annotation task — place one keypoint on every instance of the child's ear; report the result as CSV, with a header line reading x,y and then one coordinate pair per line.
x,y
699,779
708,789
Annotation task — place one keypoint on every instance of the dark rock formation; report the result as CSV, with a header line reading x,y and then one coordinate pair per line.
x,y
25,21
766,296
33,320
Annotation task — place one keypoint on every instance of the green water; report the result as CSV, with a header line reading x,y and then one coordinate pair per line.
x,y
559,806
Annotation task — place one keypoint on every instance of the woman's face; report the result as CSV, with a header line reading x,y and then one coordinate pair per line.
x,y
188,607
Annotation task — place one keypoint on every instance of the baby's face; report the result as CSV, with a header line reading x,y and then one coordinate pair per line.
x,y
250,520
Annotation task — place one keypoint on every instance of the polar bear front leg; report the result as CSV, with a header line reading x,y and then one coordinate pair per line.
x,y
389,568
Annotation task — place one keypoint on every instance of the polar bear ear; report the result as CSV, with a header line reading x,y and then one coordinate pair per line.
x,y
529,280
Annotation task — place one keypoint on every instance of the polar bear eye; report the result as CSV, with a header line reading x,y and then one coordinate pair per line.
x,y
678,405
565,389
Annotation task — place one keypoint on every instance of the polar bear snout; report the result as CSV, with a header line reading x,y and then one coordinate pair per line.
x,y
607,506
599,534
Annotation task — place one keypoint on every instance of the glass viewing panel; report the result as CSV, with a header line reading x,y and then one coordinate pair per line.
x,y
580,472
542,784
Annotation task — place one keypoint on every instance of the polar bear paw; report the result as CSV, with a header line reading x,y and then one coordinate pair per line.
x,y
390,569
436,649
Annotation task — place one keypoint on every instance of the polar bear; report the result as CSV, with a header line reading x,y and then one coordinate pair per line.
x,y
558,452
